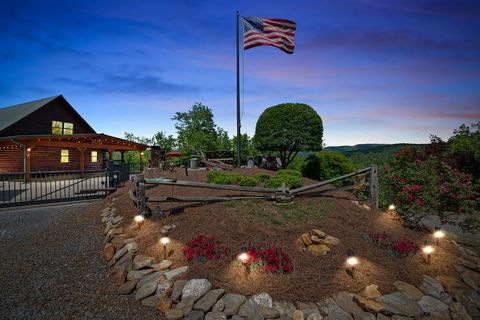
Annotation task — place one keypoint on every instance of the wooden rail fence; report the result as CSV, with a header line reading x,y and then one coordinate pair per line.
x,y
282,194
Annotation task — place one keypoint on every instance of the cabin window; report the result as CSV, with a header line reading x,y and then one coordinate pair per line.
x,y
67,128
94,156
57,127
64,156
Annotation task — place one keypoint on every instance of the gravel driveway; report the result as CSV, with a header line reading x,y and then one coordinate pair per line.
x,y
51,267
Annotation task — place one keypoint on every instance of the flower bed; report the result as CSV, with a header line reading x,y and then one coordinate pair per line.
x,y
204,248
273,260
395,248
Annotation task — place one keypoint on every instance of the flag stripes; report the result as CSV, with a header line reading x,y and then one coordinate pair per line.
x,y
278,33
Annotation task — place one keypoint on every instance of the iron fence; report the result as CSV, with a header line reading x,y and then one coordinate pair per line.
x,y
52,186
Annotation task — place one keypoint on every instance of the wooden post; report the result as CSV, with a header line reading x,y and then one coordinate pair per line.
x,y
110,154
373,183
82,161
140,194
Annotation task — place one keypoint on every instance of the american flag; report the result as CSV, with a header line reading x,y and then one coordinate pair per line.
x,y
269,32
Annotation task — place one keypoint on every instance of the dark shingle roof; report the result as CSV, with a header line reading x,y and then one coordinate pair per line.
x,y
12,114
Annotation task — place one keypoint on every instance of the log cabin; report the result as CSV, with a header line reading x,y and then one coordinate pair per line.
x,y
50,135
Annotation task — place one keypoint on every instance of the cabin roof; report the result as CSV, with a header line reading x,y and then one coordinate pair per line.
x,y
15,113
12,114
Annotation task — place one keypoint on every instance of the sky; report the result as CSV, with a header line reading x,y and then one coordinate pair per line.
x,y
376,71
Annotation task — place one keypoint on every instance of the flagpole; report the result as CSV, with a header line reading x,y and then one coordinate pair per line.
x,y
238,91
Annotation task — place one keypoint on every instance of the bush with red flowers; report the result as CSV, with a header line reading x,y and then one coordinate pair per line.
x,y
273,259
420,185
204,248
395,248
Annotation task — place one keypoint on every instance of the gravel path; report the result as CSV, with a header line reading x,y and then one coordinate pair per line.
x,y
51,267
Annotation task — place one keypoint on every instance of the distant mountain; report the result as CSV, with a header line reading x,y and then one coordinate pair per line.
x,y
372,148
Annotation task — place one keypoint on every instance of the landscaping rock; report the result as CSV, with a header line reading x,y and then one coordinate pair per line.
x,y
458,312
186,305
164,303
315,239
409,290
195,315
118,241
268,313
319,249
196,288
398,303
315,316
330,240
262,300
469,299
450,283
249,311
164,288
142,261
469,264
236,317
215,315
207,302
368,304
177,290
152,277
138,274
151,301
285,308
174,314
108,251
431,287
345,302
131,246
175,272
306,239
446,298
319,233
371,292
232,303
163,265
307,308
146,290
119,275
472,279
298,315
436,308
127,287
120,253
219,306
125,261
333,311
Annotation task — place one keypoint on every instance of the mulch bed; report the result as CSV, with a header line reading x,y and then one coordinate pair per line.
x,y
244,223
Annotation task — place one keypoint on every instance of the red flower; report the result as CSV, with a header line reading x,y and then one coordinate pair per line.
x,y
419,202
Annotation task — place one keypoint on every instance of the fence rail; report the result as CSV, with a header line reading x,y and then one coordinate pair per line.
x,y
140,199
52,186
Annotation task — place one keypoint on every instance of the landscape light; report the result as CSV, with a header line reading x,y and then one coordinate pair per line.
x,y
391,207
352,261
427,250
139,219
164,241
243,256
438,234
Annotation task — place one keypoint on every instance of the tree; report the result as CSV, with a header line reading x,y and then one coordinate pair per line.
x,y
247,148
167,143
289,128
196,129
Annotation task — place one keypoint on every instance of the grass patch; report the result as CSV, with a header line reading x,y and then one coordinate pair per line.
x,y
267,212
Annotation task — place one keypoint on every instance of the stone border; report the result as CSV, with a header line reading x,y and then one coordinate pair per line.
x,y
153,284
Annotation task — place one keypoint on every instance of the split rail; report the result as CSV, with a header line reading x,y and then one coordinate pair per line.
x,y
368,179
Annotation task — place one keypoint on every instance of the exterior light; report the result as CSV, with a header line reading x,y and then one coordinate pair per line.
x,y
164,241
351,262
139,219
29,149
438,234
391,207
243,256
427,250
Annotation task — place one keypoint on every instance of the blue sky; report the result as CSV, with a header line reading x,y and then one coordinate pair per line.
x,y
381,71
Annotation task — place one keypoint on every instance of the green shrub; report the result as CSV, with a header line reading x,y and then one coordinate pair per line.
x,y
420,185
292,179
288,172
247,182
325,165
220,177
262,177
